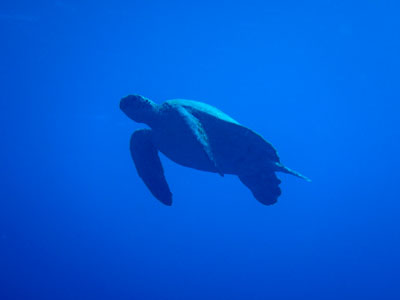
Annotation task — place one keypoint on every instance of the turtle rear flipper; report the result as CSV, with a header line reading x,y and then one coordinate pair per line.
x,y
264,186
148,165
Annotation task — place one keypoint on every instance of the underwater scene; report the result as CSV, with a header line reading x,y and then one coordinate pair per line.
x,y
199,150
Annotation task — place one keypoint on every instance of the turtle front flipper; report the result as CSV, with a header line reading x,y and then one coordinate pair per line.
x,y
148,165
264,186
197,130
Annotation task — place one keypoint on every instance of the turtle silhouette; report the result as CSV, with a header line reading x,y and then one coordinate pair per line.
x,y
200,136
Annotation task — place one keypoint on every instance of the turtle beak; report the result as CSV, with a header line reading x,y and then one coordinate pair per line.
x,y
123,104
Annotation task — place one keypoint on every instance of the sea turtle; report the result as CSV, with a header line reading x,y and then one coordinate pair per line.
x,y
200,136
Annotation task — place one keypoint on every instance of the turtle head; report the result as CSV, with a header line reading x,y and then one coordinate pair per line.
x,y
138,108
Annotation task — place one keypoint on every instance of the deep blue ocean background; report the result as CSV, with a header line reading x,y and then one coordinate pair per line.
x,y
318,79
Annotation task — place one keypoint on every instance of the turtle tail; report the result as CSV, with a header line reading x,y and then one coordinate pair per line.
x,y
283,169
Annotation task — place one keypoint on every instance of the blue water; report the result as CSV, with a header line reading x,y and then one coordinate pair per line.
x,y
318,79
